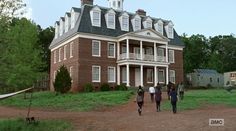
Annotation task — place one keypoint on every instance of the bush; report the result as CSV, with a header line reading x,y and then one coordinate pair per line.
x,y
105,87
121,87
88,87
62,82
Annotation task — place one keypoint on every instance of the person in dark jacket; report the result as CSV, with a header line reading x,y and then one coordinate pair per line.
x,y
168,89
174,99
158,97
140,99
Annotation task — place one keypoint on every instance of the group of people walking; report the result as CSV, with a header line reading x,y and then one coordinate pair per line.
x,y
173,92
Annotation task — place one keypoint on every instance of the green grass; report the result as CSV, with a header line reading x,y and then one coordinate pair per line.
x,y
70,102
46,125
198,98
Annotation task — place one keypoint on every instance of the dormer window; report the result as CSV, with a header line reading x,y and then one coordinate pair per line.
x,y
124,20
95,14
110,19
148,23
62,26
136,22
74,16
57,29
170,30
159,27
67,22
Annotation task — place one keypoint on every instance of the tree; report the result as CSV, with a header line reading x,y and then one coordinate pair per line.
x,y
11,8
45,38
62,82
21,59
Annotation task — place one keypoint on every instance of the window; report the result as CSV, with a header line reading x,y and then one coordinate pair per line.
x,y
161,76
149,51
96,18
111,20
111,74
59,55
170,32
71,73
160,27
148,24
65,47
55,56
123,49
114,4
118,4
125,23
71,49
171,56
96,71
160,52
96,48
137,24
172,76
149,75
124,76
111,50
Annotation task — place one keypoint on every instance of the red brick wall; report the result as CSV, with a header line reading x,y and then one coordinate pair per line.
x,y
178,66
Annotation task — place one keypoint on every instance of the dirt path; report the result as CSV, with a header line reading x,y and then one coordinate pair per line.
x,y
126,118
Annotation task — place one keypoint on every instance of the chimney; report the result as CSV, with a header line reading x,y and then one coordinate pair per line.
x,y
141,12
88,2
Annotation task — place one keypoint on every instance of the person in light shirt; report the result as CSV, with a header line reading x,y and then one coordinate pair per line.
x,y
152,92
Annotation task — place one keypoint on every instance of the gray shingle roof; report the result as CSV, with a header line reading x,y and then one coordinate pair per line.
x,y
84,25
206,71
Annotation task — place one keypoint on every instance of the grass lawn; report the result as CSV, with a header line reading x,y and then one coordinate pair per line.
x,y
71,102
46,125
197,98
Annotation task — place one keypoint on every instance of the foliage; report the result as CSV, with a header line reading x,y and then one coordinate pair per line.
x,y
198,98
45,125
20,60
45,38
11,8
105,87
88,87
121,87
62,82
71,102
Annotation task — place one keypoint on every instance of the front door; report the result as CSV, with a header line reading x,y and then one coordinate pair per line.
x,y
137,77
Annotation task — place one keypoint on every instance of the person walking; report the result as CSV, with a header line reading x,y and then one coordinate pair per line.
x,y
140,99
158,97
181,90
152,92
173,97
168,89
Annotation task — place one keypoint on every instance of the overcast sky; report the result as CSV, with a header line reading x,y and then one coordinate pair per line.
x,y
207,17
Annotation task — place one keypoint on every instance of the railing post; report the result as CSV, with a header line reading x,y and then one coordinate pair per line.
x,y
127,48
141,50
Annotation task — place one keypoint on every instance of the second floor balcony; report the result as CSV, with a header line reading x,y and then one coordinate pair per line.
x,y
144,57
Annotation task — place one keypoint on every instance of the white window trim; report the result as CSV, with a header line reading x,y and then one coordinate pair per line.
x,y
124,70
114,68
157,27
71,49
172,71
121,22
173,55
99,78
134,23
107,21
114,54
59,56
99,42
98,10
161,70
65,48
55,56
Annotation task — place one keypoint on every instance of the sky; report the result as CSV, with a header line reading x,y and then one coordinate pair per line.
x,y
206,17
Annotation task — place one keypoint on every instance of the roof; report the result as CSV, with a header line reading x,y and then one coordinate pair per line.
x,y
206,71
84,25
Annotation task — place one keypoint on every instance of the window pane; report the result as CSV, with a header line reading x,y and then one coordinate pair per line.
x,y
95,73
161,76
96,48
137,24
124,78
111,50
171,56
150,75
125,22
111,21
96,18
172,76
160,52
111,74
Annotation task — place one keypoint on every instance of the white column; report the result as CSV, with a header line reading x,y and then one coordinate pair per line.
x,y
127,75
118,50
118,75
141,75
141,50
167,52
167,75
155,76
155,51
127,48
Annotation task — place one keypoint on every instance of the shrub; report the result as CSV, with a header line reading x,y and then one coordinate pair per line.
x,y
121,87
105,87
88,87
62,82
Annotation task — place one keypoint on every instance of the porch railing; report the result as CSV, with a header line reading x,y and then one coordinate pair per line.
x,y
133,56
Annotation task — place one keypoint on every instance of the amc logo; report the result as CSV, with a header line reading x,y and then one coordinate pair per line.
x,y
216,122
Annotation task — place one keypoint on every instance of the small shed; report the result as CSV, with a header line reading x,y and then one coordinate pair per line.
x,y
230,78
205,77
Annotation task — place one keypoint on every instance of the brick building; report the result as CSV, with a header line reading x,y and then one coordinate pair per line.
x,y
109,45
